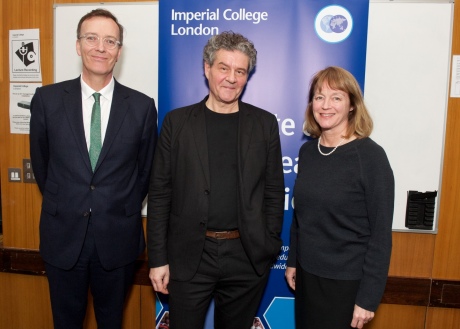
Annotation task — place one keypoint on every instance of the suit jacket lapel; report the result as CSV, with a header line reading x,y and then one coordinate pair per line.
x,y
73,109
118,111
198,123
244,132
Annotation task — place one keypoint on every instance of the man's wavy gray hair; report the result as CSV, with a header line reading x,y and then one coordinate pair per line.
x,y
231,41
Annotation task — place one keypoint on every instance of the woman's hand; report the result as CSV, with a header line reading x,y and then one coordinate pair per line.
x,y
360,317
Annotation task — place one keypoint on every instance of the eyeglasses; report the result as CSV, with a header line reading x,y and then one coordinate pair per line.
x,y
93,40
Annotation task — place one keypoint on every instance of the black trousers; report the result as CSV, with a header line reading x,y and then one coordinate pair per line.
x,y
69,290
226,275
322,303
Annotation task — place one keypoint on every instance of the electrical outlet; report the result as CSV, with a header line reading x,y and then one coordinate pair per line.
x,y
14,175
29,176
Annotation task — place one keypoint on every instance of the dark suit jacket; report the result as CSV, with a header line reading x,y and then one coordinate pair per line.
x,y
113,194
179,189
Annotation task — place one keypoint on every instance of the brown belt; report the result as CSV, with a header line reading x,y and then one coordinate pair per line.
x,y
223,234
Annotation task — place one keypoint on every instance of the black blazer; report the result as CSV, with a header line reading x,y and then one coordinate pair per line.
x,y
113,194
179,189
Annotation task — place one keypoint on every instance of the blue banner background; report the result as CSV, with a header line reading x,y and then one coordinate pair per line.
x,y
290,49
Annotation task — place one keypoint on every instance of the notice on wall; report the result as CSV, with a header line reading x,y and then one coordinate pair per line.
x,y
20,97
25,55
455,79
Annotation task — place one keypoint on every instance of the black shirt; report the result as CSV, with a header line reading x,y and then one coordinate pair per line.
x,y
222,134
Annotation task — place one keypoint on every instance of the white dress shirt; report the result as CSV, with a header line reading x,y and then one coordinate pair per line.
x,y
88,101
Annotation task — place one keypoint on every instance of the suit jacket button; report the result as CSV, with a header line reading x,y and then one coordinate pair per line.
x,y
92,187
206,192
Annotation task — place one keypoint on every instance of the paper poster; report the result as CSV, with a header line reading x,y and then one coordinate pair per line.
x,y
455,79
20,96
25,55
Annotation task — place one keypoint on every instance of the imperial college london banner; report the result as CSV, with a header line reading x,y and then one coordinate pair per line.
x,y
294,39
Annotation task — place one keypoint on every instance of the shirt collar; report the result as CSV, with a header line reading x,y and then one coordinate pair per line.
x,y
106,92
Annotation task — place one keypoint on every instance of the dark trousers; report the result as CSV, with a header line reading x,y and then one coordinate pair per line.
x,y
322,303
69,290
226,275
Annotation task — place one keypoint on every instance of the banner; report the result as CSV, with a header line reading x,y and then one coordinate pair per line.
x,y
294,39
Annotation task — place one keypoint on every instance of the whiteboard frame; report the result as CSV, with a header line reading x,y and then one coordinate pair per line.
x,y
406,92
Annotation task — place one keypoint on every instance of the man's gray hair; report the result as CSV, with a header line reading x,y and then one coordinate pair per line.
x,y
231,41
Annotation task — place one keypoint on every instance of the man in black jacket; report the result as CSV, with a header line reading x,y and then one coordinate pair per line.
x,y
216,197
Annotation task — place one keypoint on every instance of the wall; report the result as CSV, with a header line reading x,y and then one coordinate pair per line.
x,y
424,270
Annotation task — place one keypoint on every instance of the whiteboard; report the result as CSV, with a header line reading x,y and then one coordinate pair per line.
x,y
406,90
137,67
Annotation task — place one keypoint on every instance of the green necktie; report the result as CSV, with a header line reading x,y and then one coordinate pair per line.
x,y
95,141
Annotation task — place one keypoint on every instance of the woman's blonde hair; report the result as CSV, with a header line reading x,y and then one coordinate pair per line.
x,y
359,120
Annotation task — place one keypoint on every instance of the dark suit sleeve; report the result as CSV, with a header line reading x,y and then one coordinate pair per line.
x,y
159,200
274,184
147,148
39,151
292,256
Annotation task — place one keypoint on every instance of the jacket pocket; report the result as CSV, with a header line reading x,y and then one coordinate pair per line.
x,y
51,187
49,206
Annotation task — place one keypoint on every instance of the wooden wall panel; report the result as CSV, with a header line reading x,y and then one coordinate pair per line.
x,y
139,311
445,318
25,304
131,315
412,255
24,301
90,1
147,313
3,97
132,312
45,21
1,43
446,263
20,201
398,317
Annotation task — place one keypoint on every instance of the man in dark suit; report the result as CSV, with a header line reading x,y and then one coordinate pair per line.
x,y
215,207
92,142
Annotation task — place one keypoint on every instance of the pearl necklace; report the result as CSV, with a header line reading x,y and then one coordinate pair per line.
x,y
335,148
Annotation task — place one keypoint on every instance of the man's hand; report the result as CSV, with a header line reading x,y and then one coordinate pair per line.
x,y
159,276
290,276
